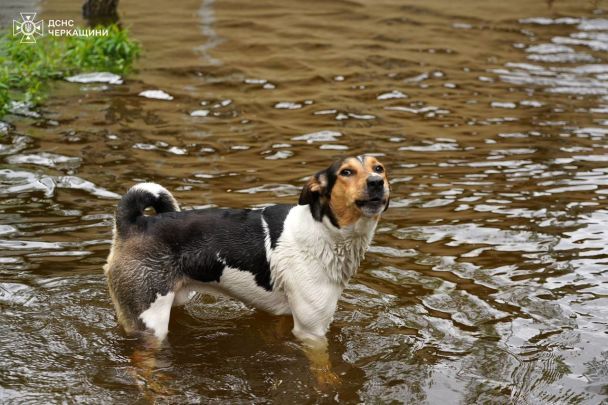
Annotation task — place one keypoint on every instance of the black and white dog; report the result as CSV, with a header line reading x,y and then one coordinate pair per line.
x,y
283,259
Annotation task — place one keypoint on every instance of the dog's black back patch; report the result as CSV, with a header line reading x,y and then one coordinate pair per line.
x,y
203,242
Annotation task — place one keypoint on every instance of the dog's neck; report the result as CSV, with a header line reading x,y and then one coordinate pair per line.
x,y
340,250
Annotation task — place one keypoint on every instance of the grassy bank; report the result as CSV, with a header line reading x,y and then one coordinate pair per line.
x,y
27,69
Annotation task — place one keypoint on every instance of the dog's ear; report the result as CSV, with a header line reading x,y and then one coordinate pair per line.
x,y
313,189
317,194
388,200
313,192
389,192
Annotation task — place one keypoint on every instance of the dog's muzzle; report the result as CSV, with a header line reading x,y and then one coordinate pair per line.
x,y
375,200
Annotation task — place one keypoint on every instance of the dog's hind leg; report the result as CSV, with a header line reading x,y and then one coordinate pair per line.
x,y
142,299
156,317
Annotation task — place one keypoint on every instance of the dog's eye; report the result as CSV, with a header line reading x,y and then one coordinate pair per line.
x,y
379,169
346,172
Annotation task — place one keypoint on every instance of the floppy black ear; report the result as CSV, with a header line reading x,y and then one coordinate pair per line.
x,y
307,195
312,192
389,193
387,202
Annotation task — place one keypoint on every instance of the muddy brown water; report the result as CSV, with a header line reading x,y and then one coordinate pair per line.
x,y
487,281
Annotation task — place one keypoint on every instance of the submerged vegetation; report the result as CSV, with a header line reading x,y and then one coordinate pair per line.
x,y
26,69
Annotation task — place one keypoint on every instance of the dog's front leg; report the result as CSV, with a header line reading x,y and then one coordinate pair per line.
x,y
320,365
311,318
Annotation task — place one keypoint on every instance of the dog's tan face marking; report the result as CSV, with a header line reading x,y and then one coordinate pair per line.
x,y
347,190
351,188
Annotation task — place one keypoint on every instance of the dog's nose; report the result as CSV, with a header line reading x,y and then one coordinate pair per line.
x,y
375,183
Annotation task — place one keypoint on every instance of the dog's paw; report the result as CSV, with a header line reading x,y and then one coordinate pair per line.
x,y
327,379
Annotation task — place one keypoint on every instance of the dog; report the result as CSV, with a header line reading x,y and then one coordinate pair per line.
x,y
284,259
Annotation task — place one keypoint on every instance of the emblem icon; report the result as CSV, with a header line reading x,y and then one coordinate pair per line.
x,y
28,28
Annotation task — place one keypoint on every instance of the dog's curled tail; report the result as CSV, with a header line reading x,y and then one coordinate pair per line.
x,y
138,198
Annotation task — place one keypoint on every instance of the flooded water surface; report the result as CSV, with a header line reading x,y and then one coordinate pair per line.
x,y
487,281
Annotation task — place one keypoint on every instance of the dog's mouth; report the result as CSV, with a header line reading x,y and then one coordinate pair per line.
x,y
370,202
371,206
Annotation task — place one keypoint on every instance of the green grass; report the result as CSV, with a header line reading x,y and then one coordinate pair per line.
x,y
27,69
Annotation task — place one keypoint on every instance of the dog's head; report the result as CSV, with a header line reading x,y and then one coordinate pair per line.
x,y
349,189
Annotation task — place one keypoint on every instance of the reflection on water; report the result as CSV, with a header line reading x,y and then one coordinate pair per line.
x,y
488,278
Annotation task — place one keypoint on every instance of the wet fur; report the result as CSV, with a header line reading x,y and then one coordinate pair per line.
x,y
283,259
